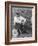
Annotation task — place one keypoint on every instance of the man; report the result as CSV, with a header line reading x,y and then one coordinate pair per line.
x,y
19,23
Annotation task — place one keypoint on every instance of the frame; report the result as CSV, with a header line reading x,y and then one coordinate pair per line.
x,y
13,8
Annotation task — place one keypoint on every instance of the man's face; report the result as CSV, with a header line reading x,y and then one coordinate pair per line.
x,y
21,19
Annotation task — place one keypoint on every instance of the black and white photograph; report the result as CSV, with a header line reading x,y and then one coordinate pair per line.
x,y
21,22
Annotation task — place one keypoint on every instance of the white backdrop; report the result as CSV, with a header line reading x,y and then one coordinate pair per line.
x,y
2,23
